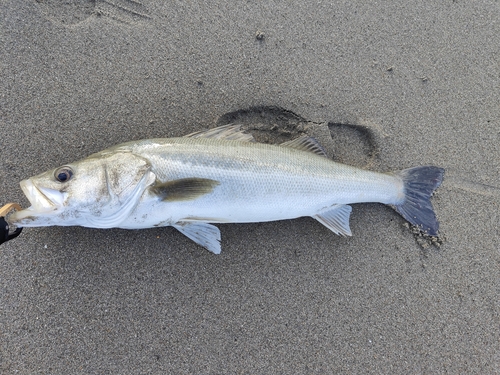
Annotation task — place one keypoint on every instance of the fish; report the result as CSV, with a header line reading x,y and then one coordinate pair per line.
x,y
220,175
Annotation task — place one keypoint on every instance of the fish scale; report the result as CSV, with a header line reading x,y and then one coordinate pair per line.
x,y
257,179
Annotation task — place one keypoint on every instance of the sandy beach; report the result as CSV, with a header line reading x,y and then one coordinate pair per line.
x,y
382,86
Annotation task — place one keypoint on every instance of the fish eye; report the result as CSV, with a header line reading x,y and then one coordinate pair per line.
x,y
63,174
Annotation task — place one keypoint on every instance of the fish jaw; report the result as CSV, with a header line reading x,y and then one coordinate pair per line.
x,y
44,202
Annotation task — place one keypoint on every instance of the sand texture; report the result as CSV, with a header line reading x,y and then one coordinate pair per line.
x,y
383,85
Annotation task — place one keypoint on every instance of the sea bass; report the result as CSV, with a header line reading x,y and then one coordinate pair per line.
x,y
219,176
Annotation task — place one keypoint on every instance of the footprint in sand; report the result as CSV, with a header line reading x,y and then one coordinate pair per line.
x,y
349,144
74,12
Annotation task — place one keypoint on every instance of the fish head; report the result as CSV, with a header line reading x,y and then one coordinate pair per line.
x,y
99,191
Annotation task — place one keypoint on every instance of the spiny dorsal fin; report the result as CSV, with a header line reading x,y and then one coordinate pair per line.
x,y
336,218
184,189
229,132
306,143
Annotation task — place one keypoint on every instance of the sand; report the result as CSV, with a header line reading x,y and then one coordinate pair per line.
x,y
395,85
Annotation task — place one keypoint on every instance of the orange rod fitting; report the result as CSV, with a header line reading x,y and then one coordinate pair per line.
x,y
9,207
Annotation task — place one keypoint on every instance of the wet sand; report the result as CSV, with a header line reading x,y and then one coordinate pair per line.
x,y
395,86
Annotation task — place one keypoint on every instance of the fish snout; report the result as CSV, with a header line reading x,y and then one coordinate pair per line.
x,y
41,198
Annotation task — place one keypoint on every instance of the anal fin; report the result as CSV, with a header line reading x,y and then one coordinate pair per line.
x,y
204,234
336,218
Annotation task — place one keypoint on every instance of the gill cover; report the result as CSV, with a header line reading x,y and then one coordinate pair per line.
x,y
126,177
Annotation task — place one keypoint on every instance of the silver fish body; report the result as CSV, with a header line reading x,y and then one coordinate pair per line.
x,y
218,176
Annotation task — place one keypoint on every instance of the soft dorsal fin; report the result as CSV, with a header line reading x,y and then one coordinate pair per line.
x,y
184,189
306,143
229,132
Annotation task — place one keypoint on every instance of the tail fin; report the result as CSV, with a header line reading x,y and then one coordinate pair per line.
x,y
419,184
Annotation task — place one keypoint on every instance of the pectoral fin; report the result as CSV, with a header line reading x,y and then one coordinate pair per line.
x,y
184,189
336,218
204,234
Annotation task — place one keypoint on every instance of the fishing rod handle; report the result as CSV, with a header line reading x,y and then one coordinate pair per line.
x,y
5,235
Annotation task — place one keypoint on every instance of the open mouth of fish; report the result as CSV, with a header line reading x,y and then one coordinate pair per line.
x,y
43,200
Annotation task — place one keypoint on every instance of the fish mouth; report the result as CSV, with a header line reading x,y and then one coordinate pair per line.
x,y
43,200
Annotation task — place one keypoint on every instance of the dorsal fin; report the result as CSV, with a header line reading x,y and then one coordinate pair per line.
x,y
229,132
306,143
